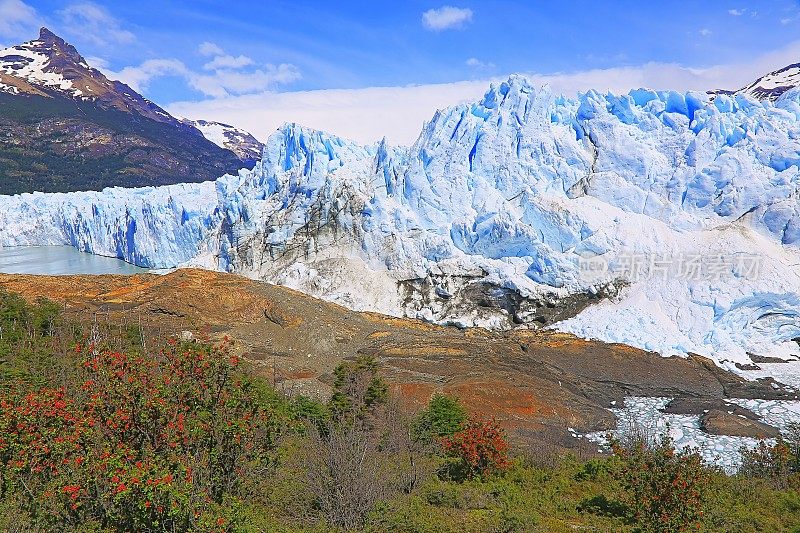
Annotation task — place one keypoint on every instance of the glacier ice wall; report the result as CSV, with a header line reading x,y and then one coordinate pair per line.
x,y
520,191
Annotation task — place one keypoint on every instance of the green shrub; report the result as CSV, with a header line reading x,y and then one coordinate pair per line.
x,y
442,417
594,469
138,442
791,437
601,505
443,495
771,462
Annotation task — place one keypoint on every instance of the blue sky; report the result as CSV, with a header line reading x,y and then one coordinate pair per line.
x,y
209,56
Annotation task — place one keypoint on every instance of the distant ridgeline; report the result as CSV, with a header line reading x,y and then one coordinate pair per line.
x,y
65,127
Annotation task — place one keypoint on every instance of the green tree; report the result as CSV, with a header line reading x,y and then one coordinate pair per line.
x,y
358,388
442,417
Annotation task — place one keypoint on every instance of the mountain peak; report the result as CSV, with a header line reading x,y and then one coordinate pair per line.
x,y
59,51
48,66
774,84
51,67
48,36
63,57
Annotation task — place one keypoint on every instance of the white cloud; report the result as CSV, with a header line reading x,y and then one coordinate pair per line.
x,y
446,17
18,20
474,62
97,62
228,61
786,21
94,23
705,32
362,114
225,79
736,12
210,49
225,62
139,77
219,84
224,82
398,113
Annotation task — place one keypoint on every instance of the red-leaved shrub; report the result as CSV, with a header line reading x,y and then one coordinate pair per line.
x,y
665,488
481,447
142,442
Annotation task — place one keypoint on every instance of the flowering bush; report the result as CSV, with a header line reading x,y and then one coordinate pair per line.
x,y
774,462
481,447
664,488
136,442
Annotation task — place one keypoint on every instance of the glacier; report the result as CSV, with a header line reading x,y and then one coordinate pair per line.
x,y
663,220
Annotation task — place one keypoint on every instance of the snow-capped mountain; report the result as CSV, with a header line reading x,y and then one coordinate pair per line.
x,y
669,221
68,127
49,66
774,84
238,141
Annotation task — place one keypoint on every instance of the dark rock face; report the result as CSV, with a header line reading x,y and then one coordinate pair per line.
x,y
765,359
59,145
719,417
718,422
701,406
88,132
459,295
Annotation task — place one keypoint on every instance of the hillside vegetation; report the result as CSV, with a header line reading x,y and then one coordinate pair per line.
x,y
55,144
103,430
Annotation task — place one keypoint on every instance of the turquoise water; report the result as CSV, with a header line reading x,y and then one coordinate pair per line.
x,y
58,260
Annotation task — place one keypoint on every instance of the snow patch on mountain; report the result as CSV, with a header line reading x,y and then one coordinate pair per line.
x,y
664,220
774,84
24,61
243,144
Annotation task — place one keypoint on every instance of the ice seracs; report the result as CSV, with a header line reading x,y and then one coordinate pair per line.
x,y
665,220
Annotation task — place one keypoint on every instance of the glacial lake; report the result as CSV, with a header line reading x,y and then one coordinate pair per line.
x,y
60,260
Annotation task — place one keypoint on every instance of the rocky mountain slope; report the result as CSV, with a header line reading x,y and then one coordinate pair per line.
x,y
538,384
668,221
246,147
66,127
771,86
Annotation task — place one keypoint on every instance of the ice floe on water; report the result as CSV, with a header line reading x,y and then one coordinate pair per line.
x,y
786,373
777,413
645,415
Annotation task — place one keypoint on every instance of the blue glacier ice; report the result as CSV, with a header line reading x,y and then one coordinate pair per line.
x,y
520,190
